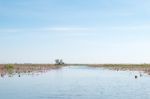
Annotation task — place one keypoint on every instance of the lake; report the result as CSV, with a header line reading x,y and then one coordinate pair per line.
x,y
76,82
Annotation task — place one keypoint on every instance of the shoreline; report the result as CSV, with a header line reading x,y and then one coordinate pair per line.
x,y
31,68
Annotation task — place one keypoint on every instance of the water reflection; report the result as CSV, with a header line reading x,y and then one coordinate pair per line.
x,y
75,82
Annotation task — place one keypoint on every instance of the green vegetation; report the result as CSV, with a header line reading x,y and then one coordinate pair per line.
x,y
9,66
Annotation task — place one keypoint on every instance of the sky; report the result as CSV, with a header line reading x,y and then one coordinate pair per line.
x,y
77,31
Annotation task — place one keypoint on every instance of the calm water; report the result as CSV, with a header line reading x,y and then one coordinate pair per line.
x,y
76,83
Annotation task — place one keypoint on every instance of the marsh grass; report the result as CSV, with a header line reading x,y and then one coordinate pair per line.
x,y
40,68
12,69
132,67
9,66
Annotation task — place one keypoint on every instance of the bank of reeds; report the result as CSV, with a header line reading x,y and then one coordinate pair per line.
x,y
25,68
133,67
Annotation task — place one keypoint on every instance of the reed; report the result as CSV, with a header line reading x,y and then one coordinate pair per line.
x,y
9,66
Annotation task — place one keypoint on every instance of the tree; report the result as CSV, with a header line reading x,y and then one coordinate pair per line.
x,y
57,61
61,61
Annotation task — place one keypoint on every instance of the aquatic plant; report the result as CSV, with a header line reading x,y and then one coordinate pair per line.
x,y
9,66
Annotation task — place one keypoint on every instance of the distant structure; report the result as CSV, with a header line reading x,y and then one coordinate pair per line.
x,y
59,62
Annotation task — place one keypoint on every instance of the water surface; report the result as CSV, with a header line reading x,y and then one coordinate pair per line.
x,y
76,82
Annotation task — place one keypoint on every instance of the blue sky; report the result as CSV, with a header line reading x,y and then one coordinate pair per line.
x,y
78,31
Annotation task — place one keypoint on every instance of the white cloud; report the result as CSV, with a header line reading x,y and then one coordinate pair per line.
x,y
77,29
48,30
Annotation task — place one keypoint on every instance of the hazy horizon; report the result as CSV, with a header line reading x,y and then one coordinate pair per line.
x,y
79,31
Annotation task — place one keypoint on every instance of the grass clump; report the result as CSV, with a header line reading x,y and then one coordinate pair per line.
x,y
9,66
